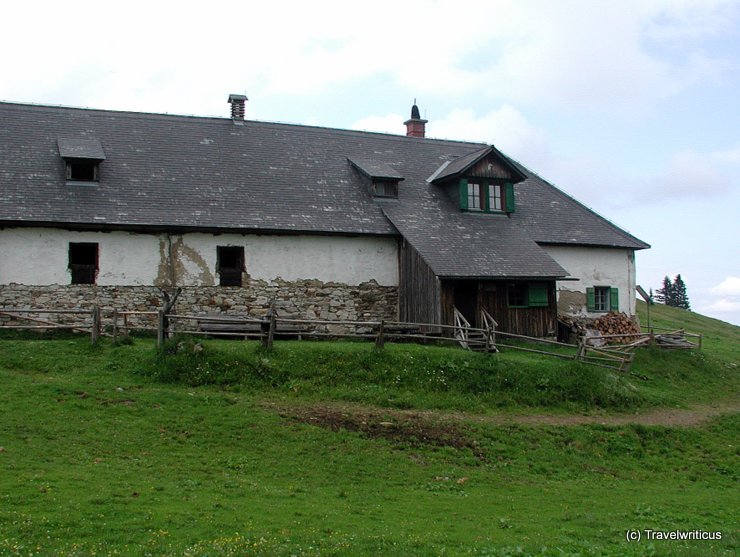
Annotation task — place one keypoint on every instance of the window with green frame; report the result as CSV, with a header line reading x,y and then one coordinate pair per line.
x,y
487,196
602,299
522,295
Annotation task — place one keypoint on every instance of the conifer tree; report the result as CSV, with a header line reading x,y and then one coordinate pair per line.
x,y
680,297
664,295
673,293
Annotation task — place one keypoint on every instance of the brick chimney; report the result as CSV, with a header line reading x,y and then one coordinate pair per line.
x,y
415,126
237,106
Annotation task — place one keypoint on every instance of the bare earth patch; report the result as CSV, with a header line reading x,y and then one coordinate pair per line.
x,y
405,428
447,428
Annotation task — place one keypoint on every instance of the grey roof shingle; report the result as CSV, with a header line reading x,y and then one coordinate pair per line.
x,y
375,169
80,148
177,172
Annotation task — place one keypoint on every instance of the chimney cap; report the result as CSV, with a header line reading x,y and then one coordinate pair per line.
x,y
415,116
236,98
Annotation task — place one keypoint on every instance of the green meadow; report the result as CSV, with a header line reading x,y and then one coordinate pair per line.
x,y
222,448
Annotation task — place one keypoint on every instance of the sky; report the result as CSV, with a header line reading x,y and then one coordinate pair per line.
x,y
630,106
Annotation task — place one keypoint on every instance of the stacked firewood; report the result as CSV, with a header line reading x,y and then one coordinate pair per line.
x,y
573,328
616,324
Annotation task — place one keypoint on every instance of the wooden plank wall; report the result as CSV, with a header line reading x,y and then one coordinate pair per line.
x,y
530,321
492,296
419,288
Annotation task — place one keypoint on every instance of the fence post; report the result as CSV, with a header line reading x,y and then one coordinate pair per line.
x,y
580,355
271,332
380,339
95,329
115,326
160,329
264,330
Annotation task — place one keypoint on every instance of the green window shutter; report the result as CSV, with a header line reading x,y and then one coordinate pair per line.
x,y
464,194
590,299
538,295
509,195
614,298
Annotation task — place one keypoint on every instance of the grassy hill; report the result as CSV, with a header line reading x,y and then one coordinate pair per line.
x,y
719,337
338,449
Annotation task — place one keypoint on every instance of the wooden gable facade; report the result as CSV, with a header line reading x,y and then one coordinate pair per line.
x,y
519,304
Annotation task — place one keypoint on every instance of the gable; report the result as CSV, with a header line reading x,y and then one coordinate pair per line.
x,y
488,162
491,167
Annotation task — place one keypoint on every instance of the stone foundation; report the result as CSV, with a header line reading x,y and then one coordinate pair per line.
x,y
302,299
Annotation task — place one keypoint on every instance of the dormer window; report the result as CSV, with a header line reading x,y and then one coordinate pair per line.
x,y
385,188
486,196
481,181
495,197
383,178
82,157
475,200
82,170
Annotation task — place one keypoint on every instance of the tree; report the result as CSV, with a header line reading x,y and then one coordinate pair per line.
x,y
680,297
664,295
673,293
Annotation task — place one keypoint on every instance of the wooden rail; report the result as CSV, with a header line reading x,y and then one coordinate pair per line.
x,y
41,324
266,329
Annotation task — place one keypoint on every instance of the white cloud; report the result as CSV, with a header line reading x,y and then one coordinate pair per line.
x,y
728,287
728,156
390,123
506,127
164,54
722,305
690,19
690,174
723,300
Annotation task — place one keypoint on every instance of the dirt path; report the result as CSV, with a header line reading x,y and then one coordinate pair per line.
x,y
342,414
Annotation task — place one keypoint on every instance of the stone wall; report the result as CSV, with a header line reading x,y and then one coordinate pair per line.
x,y
301,299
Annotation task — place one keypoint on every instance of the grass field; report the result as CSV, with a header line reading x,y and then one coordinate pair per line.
x,y
338,449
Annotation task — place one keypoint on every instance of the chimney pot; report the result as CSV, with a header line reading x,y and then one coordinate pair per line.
x,y
237,106
415,126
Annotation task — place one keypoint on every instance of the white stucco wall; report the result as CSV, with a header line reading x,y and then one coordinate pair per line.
x,y
595,267
39,256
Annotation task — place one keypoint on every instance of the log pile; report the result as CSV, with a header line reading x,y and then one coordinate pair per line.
x,y
573,328
616,324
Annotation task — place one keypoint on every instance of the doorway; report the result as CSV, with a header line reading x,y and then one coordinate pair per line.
x,y
466,300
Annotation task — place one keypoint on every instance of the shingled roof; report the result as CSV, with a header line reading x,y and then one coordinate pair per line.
x,y
194,173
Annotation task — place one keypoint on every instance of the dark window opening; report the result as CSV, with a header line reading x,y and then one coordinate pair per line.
x,y
82,171
385,189
517,295
230,265
83,262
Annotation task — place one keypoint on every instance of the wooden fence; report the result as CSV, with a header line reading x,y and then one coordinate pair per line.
x,y
79,320
272,327
599,351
